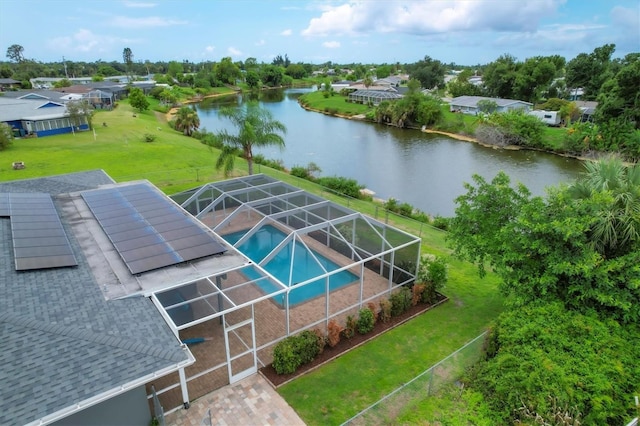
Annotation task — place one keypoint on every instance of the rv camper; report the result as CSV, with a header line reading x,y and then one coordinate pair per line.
x,y
550,118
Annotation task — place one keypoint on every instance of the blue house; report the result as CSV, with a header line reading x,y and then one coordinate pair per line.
x,y
38,117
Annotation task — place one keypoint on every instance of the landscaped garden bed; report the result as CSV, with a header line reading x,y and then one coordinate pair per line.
x,y
346,344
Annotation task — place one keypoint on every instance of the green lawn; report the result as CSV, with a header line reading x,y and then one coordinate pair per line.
x,y
174,162
336,104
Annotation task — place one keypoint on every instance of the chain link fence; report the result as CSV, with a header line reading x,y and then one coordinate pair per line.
x,y
447,371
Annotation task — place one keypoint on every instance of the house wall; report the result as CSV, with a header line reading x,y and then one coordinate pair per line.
x,y
130,408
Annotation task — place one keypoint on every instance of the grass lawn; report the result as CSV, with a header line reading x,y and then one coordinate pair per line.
x,y
173,162
336,104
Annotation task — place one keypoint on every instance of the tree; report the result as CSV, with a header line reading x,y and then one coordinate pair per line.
x,y
271,75
429,72
6,136
127,58
227,72
590,71
544,249
138,100
499,77
187,120
256,128
15,53
80,111
252,79
617,229
620,95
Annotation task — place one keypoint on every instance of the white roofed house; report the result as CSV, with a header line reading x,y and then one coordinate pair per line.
x,y
469,104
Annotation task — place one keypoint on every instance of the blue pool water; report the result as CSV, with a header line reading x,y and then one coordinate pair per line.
x,y
305,266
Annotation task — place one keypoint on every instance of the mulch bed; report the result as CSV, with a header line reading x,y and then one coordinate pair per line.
x,y
346,345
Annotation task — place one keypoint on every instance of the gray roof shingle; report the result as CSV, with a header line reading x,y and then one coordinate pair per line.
x,y
61,341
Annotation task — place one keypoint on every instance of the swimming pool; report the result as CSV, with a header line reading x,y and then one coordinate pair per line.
x,y
305,266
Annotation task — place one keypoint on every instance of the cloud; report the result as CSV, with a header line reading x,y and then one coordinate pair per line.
x,y
209,49
629,19
430,17
86,41
331,44
234,52
286,33
261,43
146,22
135,4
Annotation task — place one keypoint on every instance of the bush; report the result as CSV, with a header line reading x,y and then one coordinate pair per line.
x,y
294,351
365,321
342,185
441,222
285,358
385,310
400,301
149,137
350,328
416,293
372,308
333,333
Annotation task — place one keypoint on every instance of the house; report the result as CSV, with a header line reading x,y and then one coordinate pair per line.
x,y
8,84
550,118
70,353
587,109
116,300
374,96
469,104
37,116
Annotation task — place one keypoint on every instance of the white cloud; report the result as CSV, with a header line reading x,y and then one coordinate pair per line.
x,y
286,33
86,41
234,52
428,17
135,4
209,49
627,18
261,43
147,22
331,44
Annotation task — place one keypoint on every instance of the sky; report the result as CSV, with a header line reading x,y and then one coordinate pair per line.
x,y
465,32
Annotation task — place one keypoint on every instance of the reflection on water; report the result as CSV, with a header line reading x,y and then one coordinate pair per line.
x,y
425,170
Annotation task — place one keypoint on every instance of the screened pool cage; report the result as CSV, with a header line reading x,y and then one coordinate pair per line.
x,y
308,260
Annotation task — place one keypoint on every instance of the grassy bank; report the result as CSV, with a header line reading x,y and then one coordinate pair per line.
x,y
174,162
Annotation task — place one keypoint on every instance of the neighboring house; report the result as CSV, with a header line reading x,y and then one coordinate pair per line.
x,y
8,84
374,96
576,94
37,117
469,104
587,109
342,84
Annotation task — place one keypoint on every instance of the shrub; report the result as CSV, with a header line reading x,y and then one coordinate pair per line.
x,y
385,310
294,351
372,308
365,321
306,346
416,293
441,222
433,272
321,340
400,301
149,137
350,328
333,333
285,358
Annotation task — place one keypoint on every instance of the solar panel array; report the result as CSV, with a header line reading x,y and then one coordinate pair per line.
x,y
148,230
39,240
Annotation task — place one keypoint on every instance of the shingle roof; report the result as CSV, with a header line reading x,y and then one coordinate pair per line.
x,y
61,341
21,109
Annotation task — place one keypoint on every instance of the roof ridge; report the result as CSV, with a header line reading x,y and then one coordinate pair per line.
x,y
125,343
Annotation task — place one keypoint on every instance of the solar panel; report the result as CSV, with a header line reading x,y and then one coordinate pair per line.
x,y
39,239
147,229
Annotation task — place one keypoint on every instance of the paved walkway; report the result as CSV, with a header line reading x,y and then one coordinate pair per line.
x,y
251,401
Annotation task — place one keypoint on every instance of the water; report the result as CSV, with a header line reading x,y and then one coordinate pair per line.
x,y
306,265
427,171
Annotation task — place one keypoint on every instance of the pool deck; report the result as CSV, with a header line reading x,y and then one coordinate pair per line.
x,y
251,401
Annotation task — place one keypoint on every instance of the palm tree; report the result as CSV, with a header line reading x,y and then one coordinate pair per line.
x,y
256,127
618,227
187,120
